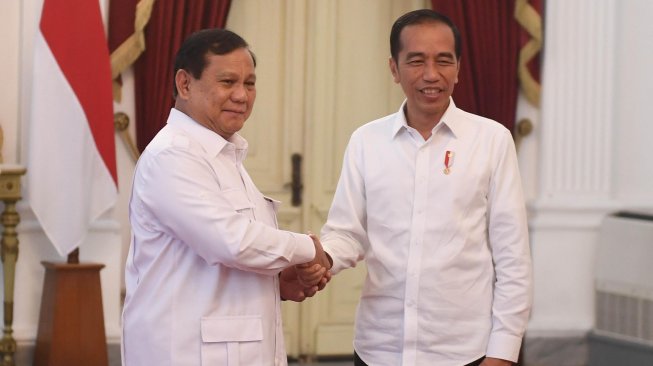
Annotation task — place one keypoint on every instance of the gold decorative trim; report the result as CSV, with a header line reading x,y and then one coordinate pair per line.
x,y
523,128
125,55
531,21
121,123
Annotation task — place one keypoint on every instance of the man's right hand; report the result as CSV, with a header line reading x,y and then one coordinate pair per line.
x,y
315,272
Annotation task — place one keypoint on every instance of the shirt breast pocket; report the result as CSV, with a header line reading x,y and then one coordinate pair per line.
x,y
239,200
232,341
273,208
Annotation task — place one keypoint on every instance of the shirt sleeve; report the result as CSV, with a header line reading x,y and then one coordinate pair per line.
x,y
179,190
344,236
508,236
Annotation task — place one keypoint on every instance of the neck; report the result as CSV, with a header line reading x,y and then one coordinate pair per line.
x,y
182,107
423,124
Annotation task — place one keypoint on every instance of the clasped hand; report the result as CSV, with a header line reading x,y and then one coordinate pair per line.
x,y
305,280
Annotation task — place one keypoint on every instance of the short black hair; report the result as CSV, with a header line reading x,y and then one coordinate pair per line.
x,y
420,16
192,53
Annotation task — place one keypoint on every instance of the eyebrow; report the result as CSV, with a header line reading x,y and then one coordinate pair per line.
x,y
422,54
231,74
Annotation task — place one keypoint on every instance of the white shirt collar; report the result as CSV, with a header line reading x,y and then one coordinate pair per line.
x,y
211,142
448,120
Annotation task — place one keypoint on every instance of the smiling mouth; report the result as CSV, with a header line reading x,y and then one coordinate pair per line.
x,y
431,91
234,111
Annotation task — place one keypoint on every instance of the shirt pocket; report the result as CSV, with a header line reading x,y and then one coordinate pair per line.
x,y
273,208
232,341
239,200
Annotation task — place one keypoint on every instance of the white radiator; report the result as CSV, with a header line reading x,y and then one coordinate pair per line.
x,y
624,277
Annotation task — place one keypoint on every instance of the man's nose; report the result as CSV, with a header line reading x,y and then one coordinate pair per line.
x,y
431,71
239,93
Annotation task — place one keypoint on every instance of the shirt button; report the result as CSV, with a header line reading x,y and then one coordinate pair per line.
x,y
410,303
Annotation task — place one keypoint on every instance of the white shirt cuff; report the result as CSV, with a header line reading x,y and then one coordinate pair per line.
x,y
503,346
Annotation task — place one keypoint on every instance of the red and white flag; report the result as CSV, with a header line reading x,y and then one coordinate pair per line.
x,y
71,155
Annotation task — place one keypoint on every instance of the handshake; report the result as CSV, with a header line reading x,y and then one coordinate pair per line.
x,y
298,282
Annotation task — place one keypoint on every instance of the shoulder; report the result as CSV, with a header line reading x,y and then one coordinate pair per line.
x,y
482,127
376,129
170,139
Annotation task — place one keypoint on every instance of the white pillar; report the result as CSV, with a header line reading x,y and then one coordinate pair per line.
x,y
576,162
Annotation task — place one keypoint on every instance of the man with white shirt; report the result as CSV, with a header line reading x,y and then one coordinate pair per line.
x,y
202,274
430,197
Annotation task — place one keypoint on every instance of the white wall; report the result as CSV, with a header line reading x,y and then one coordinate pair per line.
x,y
10,61
633,145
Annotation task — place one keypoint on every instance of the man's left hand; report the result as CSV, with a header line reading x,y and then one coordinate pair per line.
x,y
291,289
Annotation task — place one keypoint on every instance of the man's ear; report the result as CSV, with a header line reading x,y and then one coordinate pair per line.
x,y
182,81
394,69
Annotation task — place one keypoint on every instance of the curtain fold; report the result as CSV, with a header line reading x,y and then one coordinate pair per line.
x,y
121,21
171,22
121,25
490,35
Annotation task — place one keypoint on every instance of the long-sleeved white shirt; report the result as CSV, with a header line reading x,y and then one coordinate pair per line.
x,y
449,270
201,274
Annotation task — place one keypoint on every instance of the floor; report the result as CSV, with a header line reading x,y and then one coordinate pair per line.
x,y
323,363
538,352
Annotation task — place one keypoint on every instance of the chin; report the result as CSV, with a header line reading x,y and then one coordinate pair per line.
x,y
236,128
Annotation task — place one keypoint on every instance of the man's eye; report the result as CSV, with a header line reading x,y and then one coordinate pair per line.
x,y
227,81
415,62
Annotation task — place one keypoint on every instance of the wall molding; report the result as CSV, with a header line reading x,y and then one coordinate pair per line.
x,y
569,215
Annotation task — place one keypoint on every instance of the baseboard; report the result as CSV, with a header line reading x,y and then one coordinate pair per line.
x,y
25,353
